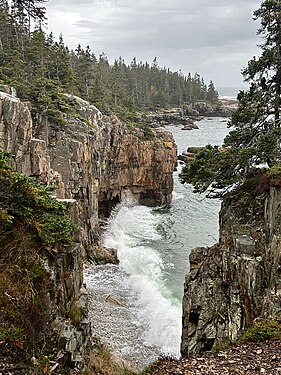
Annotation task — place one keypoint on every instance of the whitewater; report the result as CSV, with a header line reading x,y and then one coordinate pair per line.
x,y
153,245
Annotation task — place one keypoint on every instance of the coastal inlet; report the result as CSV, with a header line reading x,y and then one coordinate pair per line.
x,y
136,306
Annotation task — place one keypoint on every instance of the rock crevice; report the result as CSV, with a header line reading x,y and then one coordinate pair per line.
x,y
238,280
93,160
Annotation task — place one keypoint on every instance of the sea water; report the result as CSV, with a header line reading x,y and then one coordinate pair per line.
x,y
230,92
153,246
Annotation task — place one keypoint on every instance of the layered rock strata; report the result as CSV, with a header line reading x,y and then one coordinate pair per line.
x,y
93,160
238,280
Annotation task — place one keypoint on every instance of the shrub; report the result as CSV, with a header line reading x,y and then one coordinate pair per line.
x,y
26,203
263,330
274,175
104,362
29,219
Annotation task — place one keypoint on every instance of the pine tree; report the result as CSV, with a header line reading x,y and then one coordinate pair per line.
x,y
41,69
33,8
255,138
212,94
84,64
257,121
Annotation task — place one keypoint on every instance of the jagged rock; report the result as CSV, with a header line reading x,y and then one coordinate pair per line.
x,y
191,111
237,280
190,126
5,89
103,255
186,157
193,150
224,108
93,160
16,131
189,155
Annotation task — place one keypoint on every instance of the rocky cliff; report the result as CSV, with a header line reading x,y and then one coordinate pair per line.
x,y
238,280
93,160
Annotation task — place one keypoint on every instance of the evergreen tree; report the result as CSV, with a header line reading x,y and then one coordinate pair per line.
x,y
255,138
212,94
100,88
41,69
33,8
60,67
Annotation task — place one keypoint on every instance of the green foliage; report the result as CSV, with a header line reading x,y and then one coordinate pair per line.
x,y
274,171
126,115
29,219
81,118
261,331
53,228
272,177
212,94
25,202
32,8
24,296
254,139
14,335
48,100
41,69
214,169
5,159
76,314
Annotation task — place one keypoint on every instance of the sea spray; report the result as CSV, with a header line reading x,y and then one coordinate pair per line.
x,y
153,246
132,231
151,321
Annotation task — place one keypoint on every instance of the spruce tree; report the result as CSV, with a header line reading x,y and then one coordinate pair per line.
x,y
42,69
33,8
255,136
212,94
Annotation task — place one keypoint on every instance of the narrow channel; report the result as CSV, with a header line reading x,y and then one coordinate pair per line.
x,y
153,246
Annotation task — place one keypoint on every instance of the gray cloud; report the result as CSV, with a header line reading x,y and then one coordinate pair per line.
x,y
214,38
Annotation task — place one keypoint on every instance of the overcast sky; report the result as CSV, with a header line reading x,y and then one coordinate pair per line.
x,y
215,38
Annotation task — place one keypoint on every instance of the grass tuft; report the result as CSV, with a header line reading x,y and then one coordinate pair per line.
x,y
104,362
263,330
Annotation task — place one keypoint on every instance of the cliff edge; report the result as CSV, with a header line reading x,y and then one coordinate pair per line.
x,y
237,281
93,160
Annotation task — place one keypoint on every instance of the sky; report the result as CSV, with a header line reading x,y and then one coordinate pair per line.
x,y
215,38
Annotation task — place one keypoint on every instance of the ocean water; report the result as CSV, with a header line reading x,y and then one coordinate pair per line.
x,y
153,246
229,92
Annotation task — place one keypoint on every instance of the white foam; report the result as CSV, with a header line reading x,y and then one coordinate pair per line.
x,y
130,231
177,196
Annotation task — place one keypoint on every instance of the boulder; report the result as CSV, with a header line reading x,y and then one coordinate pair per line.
x,y
116,301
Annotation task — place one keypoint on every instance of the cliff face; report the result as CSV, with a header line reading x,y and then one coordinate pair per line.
x,y
92,159
238,280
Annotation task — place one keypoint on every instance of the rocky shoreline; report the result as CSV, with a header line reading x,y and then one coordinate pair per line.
x,y
186,115
93,160
230,285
